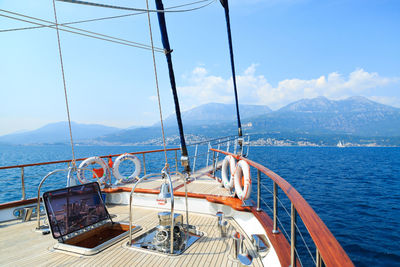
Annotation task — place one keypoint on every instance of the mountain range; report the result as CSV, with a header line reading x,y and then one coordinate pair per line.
x,y
354,116
58,133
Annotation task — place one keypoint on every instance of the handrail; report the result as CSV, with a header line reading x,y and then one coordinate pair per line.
x,y
229,137
66,161
328,247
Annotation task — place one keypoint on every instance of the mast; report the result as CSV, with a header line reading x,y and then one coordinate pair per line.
x,y
225,4
168,51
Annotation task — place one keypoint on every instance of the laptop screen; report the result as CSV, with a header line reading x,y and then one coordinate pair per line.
x,y
74,208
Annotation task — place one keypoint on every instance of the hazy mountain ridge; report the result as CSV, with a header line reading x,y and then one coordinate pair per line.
x,y
323,104
58,133
354,116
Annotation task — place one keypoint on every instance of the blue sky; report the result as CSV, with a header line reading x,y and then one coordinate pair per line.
x,y
284,51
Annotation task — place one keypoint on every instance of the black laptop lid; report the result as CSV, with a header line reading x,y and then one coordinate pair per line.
x,y
74,208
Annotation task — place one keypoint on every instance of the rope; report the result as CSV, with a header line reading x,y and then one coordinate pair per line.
x,y
158,89
95,19
65,86
90,34
70,23
139,9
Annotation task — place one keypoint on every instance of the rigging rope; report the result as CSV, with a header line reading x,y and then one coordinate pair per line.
x,y
139,9
70,23
87,34
95,19
65,86
158,89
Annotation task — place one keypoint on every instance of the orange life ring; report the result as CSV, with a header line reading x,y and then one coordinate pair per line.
x,y
243,170
106,177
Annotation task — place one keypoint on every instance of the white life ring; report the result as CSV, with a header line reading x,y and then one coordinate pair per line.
x,y
121,158
243,170
106,171
228,182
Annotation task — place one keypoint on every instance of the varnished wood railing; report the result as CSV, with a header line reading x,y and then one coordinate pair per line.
x,y
328,248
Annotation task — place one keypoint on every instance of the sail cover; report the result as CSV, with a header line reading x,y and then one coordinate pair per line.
x,y
74,208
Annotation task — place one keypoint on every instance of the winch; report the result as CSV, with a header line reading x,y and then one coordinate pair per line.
x,y
162,237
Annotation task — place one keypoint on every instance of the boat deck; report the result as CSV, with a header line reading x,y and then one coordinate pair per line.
x,y
22,246
199,183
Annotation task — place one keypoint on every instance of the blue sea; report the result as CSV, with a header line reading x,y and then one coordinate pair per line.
x,y
355,191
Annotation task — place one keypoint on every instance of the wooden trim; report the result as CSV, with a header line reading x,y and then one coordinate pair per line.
x,y
278,241
69,160
331,251
232,202
17,203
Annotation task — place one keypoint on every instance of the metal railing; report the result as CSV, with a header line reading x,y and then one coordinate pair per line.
x,y
226,143
145,164
328,249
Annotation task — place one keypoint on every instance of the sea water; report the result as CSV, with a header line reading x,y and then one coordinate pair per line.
x,y
355,191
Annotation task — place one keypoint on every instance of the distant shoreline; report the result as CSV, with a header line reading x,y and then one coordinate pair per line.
x,y
175,145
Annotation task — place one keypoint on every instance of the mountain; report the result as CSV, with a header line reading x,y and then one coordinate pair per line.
x,y
58,133
213,113
208,120
350,105
354,115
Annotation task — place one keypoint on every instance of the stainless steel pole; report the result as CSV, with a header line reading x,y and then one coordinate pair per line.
x,y
293,236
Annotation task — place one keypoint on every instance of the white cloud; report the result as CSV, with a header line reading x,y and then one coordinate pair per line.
x,y
255,89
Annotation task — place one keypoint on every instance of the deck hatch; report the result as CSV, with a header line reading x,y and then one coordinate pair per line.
x,y
74,208
79,220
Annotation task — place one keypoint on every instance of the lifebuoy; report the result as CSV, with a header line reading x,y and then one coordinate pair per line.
x,y
231,162
121,158
106,171
243,170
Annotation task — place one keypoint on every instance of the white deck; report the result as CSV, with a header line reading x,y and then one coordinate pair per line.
x,y
22,246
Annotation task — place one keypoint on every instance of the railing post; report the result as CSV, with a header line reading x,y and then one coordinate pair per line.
x,y
213,163
258,189
227,146
195,157
235,146
176,160
293,236
275,227
216,160
208,153
23,183
318,259
144,164
248,145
